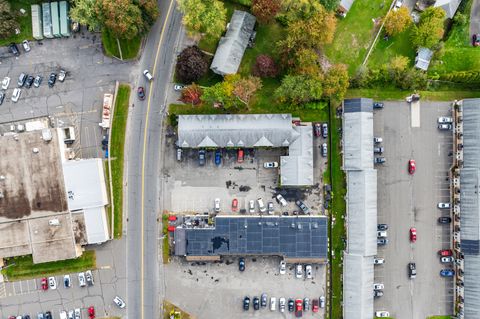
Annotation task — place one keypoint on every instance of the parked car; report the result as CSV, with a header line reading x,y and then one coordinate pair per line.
x,y
413,234
240,155
377,293
234,205
141,93
317,131
411,167
324,150
2,97
263,300
273,304
281,200
377,140
302,206
476,40
26,45
61,75
5,82
48,315
412,270
447,272
147,74
52,79
246,303
179,154
270,164
178,87
66,281
21,79
270,208
291,305
281,304
299,271
308,271
443,205
81,279
201,157
382,314
378,261
398,4
91,312
378,286
77,313
378,149
382,234
70,314
52,283
256,303
44,283
306,304
16,94
218,157
448,259
382,226
445,127
89,277
37,81
251,206
445,120
324,130
283,267
40,315
377,105
216,205
298,308
445,252
119,302
379,160
382,241
315,305
63,314
14,49
261,206
322,302
29,81
444,220
241,264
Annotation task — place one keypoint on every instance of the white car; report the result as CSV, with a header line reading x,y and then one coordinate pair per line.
x,y
308,271
16,94
445,120
282,200
377,140
283,267
444,205
273,304
299,271
217,205
26,45
322,302
71,314
61,75
378,261
63,314
448,259
281,304
52,283
78,313
261,206
382,314
81,279
251,206
378,286
382,234
89,277
398,4
5,82
270,164
119,302
148,75
178,87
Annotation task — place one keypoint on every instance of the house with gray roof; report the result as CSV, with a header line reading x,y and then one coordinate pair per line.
x,y
423,58
345,6
232,46
449,6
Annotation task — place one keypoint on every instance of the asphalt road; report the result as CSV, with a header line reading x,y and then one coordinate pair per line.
x,y
406,201
142,186
475,18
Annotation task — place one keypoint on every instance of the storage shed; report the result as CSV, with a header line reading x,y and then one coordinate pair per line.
x,y
64,19
47,20
55,19
37,30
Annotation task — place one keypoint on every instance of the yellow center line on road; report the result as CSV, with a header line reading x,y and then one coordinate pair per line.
x,y
142,209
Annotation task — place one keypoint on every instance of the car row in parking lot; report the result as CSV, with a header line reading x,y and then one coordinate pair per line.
x,y
84,278
293,305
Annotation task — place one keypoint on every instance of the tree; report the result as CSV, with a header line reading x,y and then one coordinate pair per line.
x,y
222,92
86,12
191,65
336,82
264,67
203,16
296,89
191,94
397,21
121,17
245,88
265,10
307,62
397,67
430,28
330,5
297,10
149,9
8,20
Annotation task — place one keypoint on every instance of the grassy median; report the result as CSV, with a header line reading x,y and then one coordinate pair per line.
x,y
24,268
170,309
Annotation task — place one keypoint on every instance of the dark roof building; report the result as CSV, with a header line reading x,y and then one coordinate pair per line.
x,y
296,238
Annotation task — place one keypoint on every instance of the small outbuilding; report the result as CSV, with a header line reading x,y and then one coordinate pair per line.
x,y
423,58
344,7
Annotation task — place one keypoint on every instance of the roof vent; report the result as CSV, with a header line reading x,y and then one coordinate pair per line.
x,y
54,222
2,177
35,150
293,225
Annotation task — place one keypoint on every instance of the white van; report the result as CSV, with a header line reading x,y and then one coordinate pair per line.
x,y
273,304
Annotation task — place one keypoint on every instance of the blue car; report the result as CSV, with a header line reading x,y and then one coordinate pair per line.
x,y
218,157
447,272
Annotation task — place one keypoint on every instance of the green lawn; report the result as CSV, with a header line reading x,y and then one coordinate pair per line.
x,y
24,267
166,244
117,142
384,51
129,47
25,21
397,94
355,33
440,317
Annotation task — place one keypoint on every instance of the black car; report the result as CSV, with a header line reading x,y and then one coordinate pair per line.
x,y
26,316
246,303
2,97
256,303
377,105
48,315
241,264
14,49
379,160
201,157
377,293
412,270
291,305
302,206
382,227
382,241
29,81
444,220
378,149
51,79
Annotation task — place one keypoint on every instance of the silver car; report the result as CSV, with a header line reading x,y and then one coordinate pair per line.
x,y
89,277
81,279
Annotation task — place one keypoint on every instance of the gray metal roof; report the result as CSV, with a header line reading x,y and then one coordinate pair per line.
x,y
291,237
449,6
96,225
240,130
232,46
346,4
471,286
358,134
422,60
362,212
297,168
357,287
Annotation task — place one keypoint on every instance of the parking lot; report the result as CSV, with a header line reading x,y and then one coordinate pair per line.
x,y
78,100
208,290
406,201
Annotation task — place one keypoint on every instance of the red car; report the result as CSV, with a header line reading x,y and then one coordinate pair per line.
x,y
298,308
91,312
413,234
317,129
411,167
476,40
234,205
445,252
240,156
315,305
44,284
